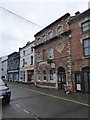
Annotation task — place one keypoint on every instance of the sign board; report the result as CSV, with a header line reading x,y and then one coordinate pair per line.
x,y
78,86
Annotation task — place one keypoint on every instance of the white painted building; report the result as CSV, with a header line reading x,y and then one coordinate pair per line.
x,y
26,71
3,67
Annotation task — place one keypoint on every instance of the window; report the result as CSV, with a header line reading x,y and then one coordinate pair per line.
x,y
44,38
38,75
59,30
24,53
51,74
23,62
85,26
39,40
51,53
44,74
39,56
31,60
50,34
86,45
32,49
78,78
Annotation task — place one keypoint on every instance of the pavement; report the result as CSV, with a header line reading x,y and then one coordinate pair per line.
x,y
75,96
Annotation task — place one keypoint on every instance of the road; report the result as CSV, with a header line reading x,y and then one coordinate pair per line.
x,y
27,101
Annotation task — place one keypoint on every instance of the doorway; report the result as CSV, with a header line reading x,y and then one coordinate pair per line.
x,y
61,77
86,79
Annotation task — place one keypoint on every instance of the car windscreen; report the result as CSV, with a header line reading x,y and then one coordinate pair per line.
x,y
1,82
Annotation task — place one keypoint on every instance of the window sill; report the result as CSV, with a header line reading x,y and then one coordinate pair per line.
x,y
85,57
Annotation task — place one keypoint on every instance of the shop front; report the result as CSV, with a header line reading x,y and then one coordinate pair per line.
x,y
82,80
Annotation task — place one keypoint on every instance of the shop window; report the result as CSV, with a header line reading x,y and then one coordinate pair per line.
x,y
38,75
44,74
86,47
51,75
85,26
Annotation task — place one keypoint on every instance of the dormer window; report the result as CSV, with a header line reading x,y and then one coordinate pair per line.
x,y
50,35
59,30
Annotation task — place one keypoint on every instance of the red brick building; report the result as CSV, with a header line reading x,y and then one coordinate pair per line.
x,y
62,53
80,48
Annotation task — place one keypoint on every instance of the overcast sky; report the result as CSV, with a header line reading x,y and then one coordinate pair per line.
x,y
15,32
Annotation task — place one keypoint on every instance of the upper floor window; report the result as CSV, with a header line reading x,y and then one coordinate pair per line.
x,y
44,38
50,34
59,30
38,40
39,56
32,49
86,45
85,26
31,60
50,53
23,64
24,53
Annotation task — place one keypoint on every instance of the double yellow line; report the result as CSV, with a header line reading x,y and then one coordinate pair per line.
x,y
57,97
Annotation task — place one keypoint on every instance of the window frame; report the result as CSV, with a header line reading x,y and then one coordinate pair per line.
x,y
58,33
50,36
44,75
38,75
86,55
31,60
51,53
86,27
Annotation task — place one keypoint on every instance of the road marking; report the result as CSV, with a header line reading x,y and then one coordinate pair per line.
x,y
58,97
17,105
26,111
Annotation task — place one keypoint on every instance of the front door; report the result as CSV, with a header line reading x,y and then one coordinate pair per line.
x,y
61,77
86,79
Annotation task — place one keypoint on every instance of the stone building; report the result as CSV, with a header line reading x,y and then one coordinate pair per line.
x,y
80,48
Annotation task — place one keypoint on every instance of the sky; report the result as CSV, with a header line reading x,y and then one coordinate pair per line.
x,y
16,32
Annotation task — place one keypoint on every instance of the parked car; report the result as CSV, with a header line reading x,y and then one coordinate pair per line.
x,y
5,92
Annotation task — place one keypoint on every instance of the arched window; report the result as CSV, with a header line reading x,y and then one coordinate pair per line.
x,y
44,38
50,35
59,30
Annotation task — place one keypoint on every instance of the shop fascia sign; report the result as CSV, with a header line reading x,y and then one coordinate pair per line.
x,y
44,64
